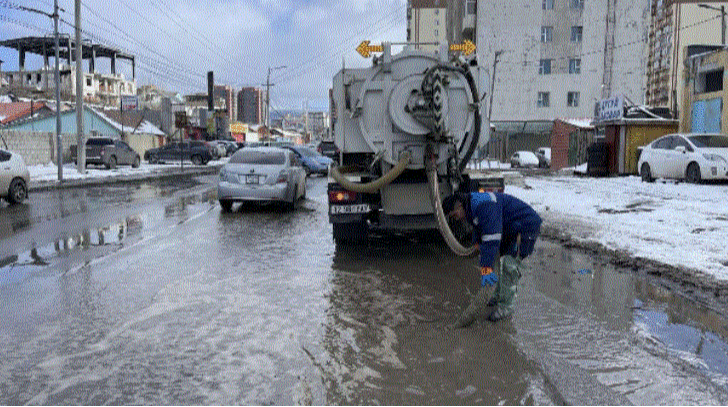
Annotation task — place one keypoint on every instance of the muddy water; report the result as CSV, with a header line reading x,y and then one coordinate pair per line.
x,y
182,304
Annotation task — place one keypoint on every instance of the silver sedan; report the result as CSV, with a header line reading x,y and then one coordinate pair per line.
x,y
262,174
14,177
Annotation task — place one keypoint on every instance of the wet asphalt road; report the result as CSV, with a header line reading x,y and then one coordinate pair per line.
x,y
149,294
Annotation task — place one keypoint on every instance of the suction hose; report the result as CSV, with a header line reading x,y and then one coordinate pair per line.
x,y
442,225
374,186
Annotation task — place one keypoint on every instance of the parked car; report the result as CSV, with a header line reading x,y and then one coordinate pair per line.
x,y
14,177
231,147
524,159
329,149
313,162
262,174
544,157
107,152
196,151
693,157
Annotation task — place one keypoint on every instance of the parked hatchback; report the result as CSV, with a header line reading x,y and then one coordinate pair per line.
x,y
313,162
14,177
693,157
524,159
262,174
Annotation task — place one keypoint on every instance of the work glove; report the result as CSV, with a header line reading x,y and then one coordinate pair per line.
x,y
488,277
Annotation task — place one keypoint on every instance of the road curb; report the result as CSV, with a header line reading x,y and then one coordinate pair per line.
x,y
38,186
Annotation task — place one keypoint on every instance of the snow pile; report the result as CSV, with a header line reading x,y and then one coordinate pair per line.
x,y
679,224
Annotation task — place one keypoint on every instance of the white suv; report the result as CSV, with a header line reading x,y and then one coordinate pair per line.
x,y
14,177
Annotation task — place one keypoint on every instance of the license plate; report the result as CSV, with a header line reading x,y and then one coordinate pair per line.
x,y
252,179
344,209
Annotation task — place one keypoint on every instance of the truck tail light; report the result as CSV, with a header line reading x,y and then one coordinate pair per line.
x,y
342,196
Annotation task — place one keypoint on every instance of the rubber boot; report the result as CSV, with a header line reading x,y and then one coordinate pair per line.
x,y
506,289
478,307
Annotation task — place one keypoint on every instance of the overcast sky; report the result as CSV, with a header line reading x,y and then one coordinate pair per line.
x,y
177,41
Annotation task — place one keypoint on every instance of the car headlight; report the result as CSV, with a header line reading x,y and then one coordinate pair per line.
x,y
714,157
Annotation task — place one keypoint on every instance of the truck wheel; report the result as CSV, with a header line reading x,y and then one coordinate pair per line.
x,y
350,233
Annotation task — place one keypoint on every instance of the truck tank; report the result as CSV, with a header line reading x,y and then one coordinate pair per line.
x,y
406,128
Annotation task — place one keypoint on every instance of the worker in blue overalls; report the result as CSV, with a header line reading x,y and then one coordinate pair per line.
x,y
506,229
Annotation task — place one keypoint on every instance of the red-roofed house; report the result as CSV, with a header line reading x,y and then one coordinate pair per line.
x,y
10,112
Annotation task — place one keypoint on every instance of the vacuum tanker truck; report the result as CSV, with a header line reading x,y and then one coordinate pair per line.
x,y
406,127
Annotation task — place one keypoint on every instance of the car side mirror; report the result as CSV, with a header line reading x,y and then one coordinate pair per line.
x,y
680,149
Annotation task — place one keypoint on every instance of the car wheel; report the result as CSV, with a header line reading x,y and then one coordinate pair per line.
x,y
136,163
303,196
196,159
646,173
226,205
17,192
692,174
112,163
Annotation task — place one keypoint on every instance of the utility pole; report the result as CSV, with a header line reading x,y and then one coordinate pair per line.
x,y
267,95
490,103
80,139
59,137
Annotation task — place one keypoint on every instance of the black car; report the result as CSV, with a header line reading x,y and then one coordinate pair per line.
x,y
329,149
196,151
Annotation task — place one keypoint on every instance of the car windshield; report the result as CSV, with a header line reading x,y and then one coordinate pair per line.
x,y
709,141
258,157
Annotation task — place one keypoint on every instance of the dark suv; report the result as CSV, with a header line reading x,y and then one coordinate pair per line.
x,y
329,149
196,151
108,152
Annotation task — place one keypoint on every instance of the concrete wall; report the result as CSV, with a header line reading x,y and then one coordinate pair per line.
x,y
36,147
143,142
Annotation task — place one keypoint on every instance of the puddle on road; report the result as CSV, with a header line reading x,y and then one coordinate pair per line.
x,y
391,301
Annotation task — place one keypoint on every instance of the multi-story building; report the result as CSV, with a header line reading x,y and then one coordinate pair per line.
x,y
427,23
558,57
461,19
101,88
227,93
250,105
674,25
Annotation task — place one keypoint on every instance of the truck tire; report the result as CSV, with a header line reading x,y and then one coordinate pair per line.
x,y
350,233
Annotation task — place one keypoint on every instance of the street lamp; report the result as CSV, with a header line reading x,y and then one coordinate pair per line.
x,y
722,20
59,150
267,94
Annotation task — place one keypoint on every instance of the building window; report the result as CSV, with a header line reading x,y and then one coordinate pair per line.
x,y
575,65
548,4
544,67
572,99
472,6
88,81
437,11
437,22
543,99
436,33
711,81
576,33
577,4
547,33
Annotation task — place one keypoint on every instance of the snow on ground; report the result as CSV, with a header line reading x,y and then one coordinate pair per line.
x,y
678,224
45,173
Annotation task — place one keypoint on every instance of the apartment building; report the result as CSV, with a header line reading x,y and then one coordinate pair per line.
x,y
559,57
675,25
427,23
250,105
461,19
